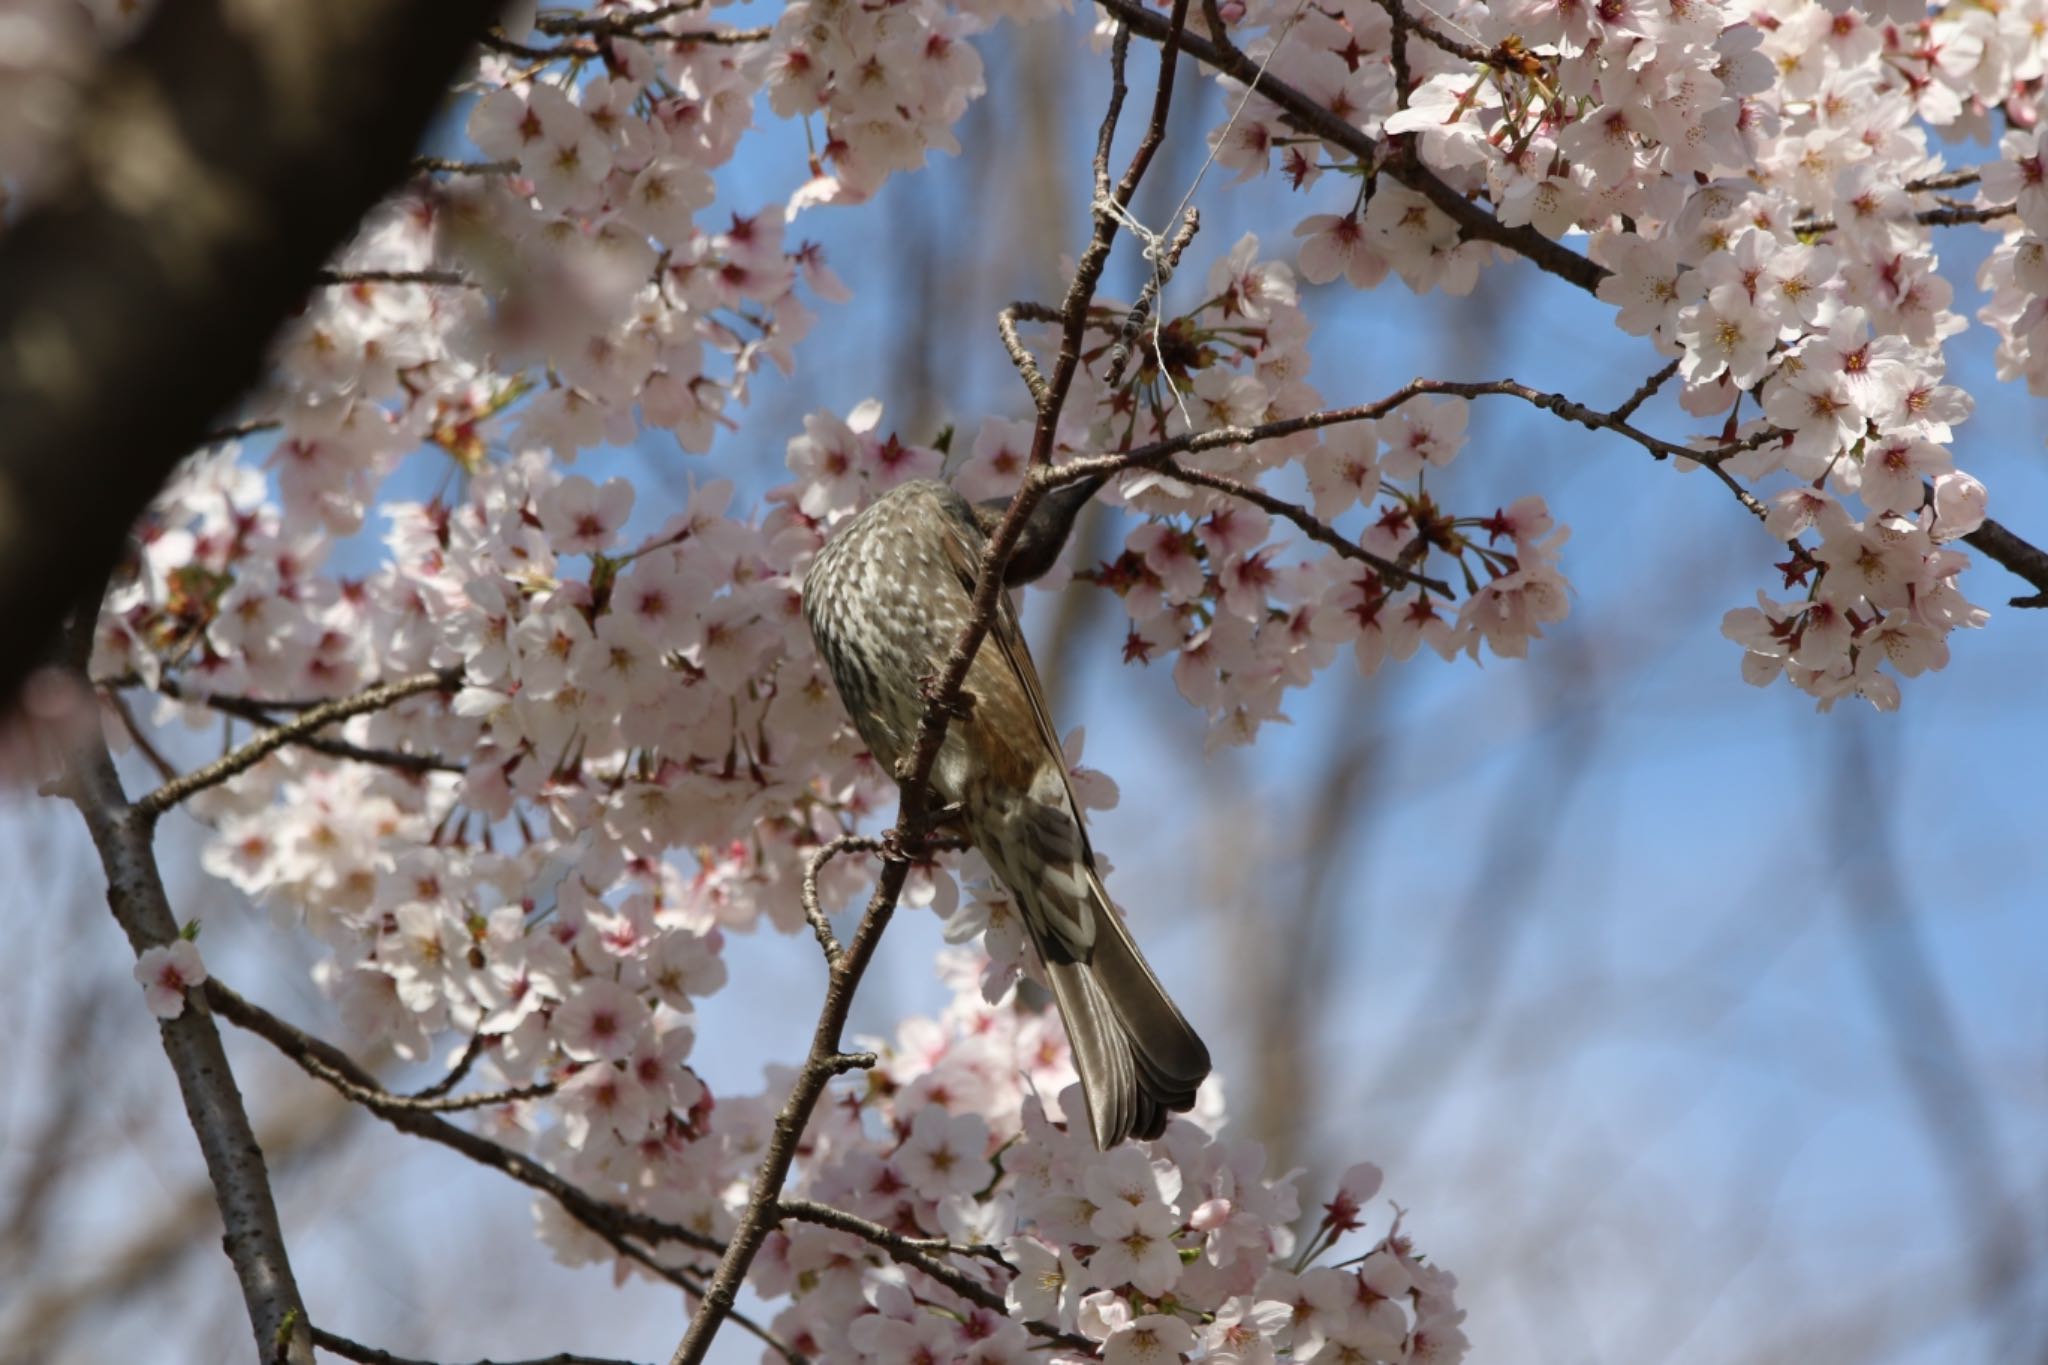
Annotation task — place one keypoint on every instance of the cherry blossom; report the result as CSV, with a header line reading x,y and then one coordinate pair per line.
x,y
166,972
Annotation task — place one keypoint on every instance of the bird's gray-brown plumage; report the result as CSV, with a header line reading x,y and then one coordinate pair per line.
x,y
886,600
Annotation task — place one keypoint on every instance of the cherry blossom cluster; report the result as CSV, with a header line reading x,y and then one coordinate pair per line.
x,y
887,82
614,709
1207,577
620,705
1178,1249
578,950
1763,183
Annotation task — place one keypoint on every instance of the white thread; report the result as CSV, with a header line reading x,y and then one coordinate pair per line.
x,y
1244,100
1155,242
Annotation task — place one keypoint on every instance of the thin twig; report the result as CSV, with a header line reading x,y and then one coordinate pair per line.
x,y
643,28
384,1103
1315,528
824,1062
473,1050
1404,77
346,278
369,1355
821,925
1645,391
1951,215
498,42
1020,354
613,25
1966,213
916,1253
825,1215
165,772
614,1225
441,165
1111,206
222,435
590,48
718,37
1947,180
1148,297
248,708
171,687
1195,442
1157,453
1405,22
270,741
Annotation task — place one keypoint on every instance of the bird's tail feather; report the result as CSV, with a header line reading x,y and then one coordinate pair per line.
x,y
1138,1058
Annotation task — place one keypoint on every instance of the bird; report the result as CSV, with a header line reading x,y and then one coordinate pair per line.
x,y
886,599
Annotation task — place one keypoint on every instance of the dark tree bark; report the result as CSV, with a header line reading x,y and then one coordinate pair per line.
x,y
217,162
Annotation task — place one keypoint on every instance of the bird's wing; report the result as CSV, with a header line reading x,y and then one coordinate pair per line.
x,y
1005,683
1010,728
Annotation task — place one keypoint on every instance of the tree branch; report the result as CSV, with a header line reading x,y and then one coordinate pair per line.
x,y
260,712
1312,118
828,942
913,817
915,1253
441,165
216,162
1315,528
470,1052
1405,22
342,279
234,1162
1994,540
2026,560
824,1062
588,37
1645,391
1020,354
615,1226
329,1064
50,1301
370,1355
825,1215
1949,215
1148,296
1158,454
299,728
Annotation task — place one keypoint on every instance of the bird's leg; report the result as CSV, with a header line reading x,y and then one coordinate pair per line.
x,y
961,707
944,828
